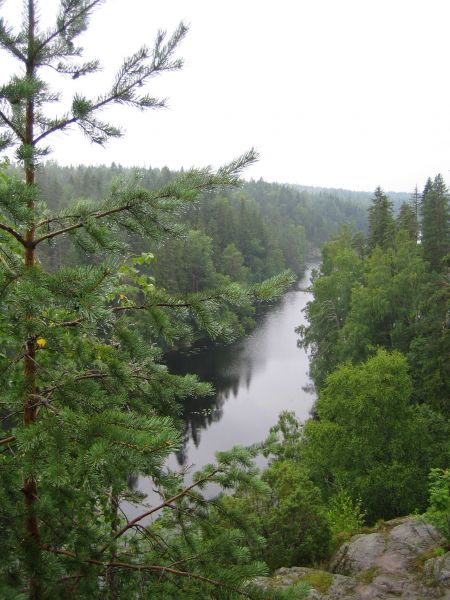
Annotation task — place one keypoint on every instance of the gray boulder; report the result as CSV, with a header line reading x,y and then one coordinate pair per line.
x,y
437,569
394,562
329,586
360,554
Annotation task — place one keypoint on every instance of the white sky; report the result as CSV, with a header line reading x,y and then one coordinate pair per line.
x,y
337,93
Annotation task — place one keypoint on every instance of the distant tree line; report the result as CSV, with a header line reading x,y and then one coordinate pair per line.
x,y
245,234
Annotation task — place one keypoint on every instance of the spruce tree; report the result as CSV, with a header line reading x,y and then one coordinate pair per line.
x,y
435,222
415,202
381,221
86,400
407,220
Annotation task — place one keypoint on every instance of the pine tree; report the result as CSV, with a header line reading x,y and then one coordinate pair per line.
x,y
86,400
435,222
407,220
381,221
415,202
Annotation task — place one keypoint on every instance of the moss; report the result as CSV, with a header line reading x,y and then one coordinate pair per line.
x,y
319,580
419,561
340,538
382,526
369,575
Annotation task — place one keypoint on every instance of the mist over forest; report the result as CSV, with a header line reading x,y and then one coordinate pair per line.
x,y
142,308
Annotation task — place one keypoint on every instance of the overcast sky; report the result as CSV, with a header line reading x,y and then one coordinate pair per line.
x,y
334,93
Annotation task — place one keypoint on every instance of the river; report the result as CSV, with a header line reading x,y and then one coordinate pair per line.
x,y
255,379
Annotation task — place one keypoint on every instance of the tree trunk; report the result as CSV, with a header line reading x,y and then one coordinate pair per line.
x,y
32,539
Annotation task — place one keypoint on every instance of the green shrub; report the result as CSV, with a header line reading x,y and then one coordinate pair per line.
x,y
345,518
438,512
294,523
285,520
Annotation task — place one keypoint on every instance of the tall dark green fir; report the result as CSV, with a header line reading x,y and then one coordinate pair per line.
x,y
381,221
435,222
407,220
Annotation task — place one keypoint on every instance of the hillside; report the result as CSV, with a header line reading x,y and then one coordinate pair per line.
x,y
360,198
246,233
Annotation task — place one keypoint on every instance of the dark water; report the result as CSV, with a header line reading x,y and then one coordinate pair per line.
x,y
255,379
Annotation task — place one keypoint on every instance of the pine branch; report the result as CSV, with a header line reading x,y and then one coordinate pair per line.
x,y
11,125
41,401
8,41
190,184
73,323
7,266
76,70
117,309
62,124
149,512
8,440
145,567
264,291
175,304
187,559
157,539
48,391
66,24
15,233
96,216
133,74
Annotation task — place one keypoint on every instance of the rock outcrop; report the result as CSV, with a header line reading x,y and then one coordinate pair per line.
x,y
403,559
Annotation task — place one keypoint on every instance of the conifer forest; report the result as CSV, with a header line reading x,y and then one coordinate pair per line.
x,y
106,272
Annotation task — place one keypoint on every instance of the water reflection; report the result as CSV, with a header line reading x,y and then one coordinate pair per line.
x,y
254,380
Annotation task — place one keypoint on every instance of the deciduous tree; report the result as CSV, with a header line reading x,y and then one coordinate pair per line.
x,y
371,441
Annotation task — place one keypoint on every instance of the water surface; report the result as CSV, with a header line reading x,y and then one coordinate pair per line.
x,y
255,379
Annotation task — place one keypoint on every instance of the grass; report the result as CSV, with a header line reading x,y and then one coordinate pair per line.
x,y
369,575
420,561
319,580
